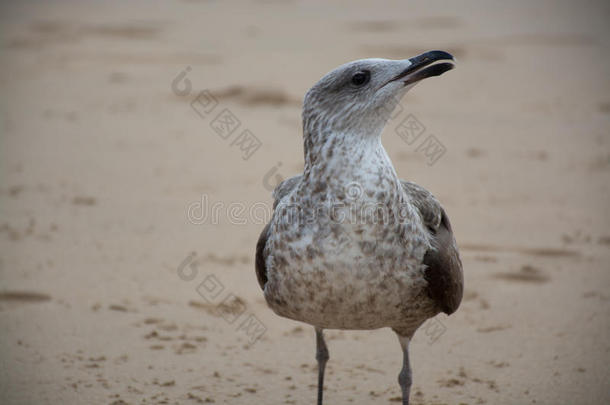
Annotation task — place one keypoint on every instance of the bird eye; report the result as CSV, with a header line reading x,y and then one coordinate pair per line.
x,y
361,78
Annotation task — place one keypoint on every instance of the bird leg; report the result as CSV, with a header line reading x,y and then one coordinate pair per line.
x,y
404,378
322,358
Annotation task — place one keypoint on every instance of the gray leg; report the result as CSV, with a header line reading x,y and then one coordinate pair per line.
x,y
322,357
404,378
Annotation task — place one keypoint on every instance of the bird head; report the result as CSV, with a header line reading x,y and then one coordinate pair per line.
x,y
359,96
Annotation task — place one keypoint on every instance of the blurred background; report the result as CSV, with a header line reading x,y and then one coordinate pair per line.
x,y
129,212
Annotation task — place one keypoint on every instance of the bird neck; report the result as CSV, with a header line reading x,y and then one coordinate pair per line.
x,y
345,156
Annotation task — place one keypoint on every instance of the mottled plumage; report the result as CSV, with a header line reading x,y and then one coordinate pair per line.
x,y
350,245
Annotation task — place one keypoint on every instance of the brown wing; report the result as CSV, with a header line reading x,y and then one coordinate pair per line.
x,y
443,265
280,191
260,262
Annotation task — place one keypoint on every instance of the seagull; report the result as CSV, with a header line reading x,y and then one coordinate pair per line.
x,y
349,245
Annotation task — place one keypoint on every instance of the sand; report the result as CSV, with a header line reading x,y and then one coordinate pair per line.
x,y
128,217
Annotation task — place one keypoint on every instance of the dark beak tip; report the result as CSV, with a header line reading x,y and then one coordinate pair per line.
x,y
445,67
418,70
440,55
433,56
436,70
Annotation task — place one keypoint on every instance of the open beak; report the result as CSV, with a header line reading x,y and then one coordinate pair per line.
x,y
422,67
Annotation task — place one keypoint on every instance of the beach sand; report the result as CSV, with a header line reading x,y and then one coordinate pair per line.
x,y
128,216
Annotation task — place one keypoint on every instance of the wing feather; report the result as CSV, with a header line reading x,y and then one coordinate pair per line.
x,y
282,190
443,265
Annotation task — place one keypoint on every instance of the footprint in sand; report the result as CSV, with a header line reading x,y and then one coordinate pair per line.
x,y
542,251
15,298
253,96
527,274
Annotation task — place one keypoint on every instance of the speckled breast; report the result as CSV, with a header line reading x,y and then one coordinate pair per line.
x,y
345,269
